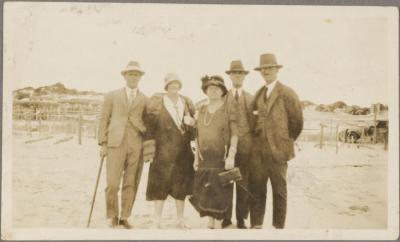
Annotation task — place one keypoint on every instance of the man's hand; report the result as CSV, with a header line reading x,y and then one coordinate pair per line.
x,y
103,151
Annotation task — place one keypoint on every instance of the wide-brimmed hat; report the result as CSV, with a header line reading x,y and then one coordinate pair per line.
x,y
237,65
171,77
132,66
267,60
214,80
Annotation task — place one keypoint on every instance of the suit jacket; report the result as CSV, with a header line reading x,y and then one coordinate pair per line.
x,y
117,113
282,120
248,98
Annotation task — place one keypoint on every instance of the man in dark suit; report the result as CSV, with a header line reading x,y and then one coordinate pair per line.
x,y
239,101
121,136
278,121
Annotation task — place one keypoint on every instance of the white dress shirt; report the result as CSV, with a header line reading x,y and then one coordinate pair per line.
x,y
270,87
175,110
129,92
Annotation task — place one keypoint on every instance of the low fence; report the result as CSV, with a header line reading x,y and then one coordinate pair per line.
x,y
77,124
322,132
337,132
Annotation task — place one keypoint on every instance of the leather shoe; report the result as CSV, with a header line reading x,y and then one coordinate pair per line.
x,y
226,223
241,224
125,224
114,222
256,227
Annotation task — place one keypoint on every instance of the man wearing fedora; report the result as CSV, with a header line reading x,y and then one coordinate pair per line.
x,y
278,121
240,101
121,135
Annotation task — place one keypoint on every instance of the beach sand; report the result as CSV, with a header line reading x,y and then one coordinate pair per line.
x,y
53,186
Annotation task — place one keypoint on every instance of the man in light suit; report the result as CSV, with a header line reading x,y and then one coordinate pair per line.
x,y
278,121
121,135
239,101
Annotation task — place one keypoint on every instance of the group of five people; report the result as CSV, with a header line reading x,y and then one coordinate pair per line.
x,y
231,129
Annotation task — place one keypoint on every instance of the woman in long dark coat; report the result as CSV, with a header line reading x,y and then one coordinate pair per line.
x,y
216,149
171,172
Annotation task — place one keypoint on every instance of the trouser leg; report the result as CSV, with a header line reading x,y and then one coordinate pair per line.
x,y
242,161
242,196
258,187
114,166
132,174
279,190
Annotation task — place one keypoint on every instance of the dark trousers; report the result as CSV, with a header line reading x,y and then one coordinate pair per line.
x,y
242,160
263,168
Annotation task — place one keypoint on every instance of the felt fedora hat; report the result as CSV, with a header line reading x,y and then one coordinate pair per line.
x,y
132,66
236,66
171,77
267,60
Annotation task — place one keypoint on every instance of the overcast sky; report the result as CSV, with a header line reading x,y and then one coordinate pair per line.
x,y
328,54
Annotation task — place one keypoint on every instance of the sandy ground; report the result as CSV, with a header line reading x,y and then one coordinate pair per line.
x,y
53,186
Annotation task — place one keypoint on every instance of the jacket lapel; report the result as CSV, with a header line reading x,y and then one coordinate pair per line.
x,y
247,104
273,97
137,100
229,96
247,100
256,97
123,97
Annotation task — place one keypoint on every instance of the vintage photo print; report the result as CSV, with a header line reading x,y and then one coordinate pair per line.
x,y
199,121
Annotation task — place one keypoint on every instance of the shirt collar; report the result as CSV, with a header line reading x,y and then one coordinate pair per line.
x,y
233,90
271,86
128,89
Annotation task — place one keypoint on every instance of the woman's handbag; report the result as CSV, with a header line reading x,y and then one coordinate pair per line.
x,y
230,176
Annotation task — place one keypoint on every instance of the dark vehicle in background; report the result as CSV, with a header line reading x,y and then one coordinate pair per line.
x,y
358,134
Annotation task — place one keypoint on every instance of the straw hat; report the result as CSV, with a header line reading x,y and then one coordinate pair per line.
x,y
132,66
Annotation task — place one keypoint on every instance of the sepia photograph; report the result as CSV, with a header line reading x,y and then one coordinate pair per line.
x,y
199,121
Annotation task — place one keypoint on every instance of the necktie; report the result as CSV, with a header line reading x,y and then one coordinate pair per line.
x,y
266,94
131,96
236,95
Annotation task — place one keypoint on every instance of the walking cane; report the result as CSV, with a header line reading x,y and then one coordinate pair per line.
x,y
95,191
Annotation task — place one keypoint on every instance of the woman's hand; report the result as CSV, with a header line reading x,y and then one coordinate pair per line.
x,y
196,164
189,120
230,162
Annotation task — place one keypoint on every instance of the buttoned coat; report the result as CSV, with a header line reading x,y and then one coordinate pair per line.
x,y
116,114
171,172
282,120
248,99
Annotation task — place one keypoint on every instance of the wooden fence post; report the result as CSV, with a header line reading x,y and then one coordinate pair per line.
x,y
386,140
95,129
80,128
321,139
40,128
376,111
337,138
